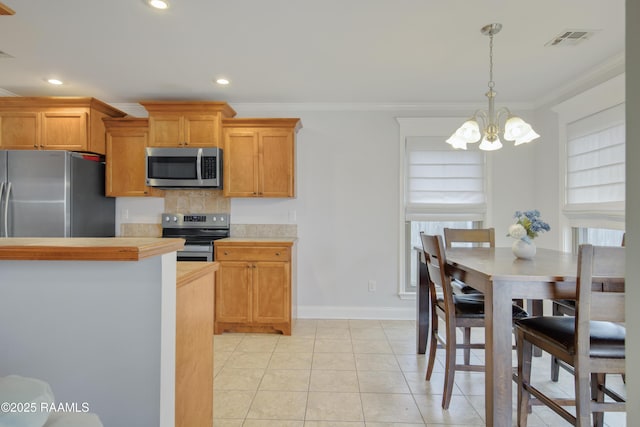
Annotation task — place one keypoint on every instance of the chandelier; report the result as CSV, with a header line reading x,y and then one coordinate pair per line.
x,y
515,129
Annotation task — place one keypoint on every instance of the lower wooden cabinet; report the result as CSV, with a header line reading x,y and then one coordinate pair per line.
x,y
254,286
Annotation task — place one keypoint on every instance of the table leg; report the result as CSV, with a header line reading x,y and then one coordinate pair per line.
x,y
422,310
498,375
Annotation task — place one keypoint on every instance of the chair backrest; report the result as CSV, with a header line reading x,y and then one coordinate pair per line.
x,y
477,236
600,286
436,260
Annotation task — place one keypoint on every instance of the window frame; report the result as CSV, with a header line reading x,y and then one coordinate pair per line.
x,y
429,127
601,97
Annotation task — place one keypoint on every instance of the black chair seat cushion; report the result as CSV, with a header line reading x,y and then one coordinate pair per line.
x,y
471,306
607,338
466,289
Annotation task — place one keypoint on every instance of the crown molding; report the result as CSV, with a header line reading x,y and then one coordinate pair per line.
x,y
131,108
432,107
606,70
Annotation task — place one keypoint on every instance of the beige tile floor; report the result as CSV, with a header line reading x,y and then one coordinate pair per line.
x,y
351,373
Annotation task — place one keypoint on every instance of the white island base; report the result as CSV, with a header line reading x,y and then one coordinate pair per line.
x,y
101,333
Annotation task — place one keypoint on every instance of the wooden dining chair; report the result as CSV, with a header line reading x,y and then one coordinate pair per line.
x,y
457,311
477,237
592,342
565,307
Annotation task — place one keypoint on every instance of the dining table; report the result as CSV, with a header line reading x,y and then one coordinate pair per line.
x,y
501,277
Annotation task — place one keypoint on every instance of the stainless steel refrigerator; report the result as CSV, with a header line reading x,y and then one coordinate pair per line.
x,y
53,194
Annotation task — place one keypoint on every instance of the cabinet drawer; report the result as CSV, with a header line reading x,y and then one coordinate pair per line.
x,y
274,253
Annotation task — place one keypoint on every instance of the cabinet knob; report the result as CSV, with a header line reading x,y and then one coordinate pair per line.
x,y
277,253
226,253
35,145
186,143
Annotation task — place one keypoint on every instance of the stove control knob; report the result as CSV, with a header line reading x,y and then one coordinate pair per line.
x,y
221,219
167,219
215,218
175,219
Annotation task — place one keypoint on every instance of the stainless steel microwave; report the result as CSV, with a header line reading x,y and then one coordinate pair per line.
x,y
184,167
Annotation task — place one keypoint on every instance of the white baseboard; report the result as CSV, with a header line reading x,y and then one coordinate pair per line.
x,y
382,313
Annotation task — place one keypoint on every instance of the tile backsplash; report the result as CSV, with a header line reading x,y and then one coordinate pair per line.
x,y
140,230
205,201
196,201
264,230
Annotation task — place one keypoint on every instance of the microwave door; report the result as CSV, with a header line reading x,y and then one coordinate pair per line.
x,y
171,170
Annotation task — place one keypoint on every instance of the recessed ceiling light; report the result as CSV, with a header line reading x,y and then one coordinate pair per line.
x,y
222,81
54,81
158,4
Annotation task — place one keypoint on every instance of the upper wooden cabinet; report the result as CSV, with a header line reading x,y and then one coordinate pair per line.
x,y
54,123
259,157
127,139
186,123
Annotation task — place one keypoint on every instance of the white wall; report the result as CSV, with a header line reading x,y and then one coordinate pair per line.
x,y
347,206
346,211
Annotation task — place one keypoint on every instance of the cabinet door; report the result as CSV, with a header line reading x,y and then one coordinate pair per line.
x,y
201,130
64,130
19,131
166,130
125,165
276,159
271,292
240,163
233,292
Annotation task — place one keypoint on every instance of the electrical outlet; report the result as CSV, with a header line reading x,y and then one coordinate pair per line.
x,y
372,285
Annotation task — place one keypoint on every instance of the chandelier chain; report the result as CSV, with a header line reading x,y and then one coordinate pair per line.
x,y
491,82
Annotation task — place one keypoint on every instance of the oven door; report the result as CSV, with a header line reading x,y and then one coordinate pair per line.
x,y
183,167
196,253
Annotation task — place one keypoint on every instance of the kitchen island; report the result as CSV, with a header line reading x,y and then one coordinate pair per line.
x,y
96,319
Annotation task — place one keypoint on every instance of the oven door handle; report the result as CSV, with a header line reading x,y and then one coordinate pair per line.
x,y
199,164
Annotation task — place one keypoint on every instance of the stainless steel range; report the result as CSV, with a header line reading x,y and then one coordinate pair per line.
x,y
199,231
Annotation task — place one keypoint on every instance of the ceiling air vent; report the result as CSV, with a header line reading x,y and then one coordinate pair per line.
x,y
5,55
571,37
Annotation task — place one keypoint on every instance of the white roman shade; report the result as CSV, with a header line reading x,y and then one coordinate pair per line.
x,y
595,181
443,184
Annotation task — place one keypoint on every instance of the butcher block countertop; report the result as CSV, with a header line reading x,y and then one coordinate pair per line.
x,y
85,248
188,271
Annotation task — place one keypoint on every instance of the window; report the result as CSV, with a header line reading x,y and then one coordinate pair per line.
x,y
428,227
597,236
596,166
443,188
443,183
592,126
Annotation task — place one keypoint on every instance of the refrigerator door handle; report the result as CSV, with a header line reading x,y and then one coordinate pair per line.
x,y
6,209
1,213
